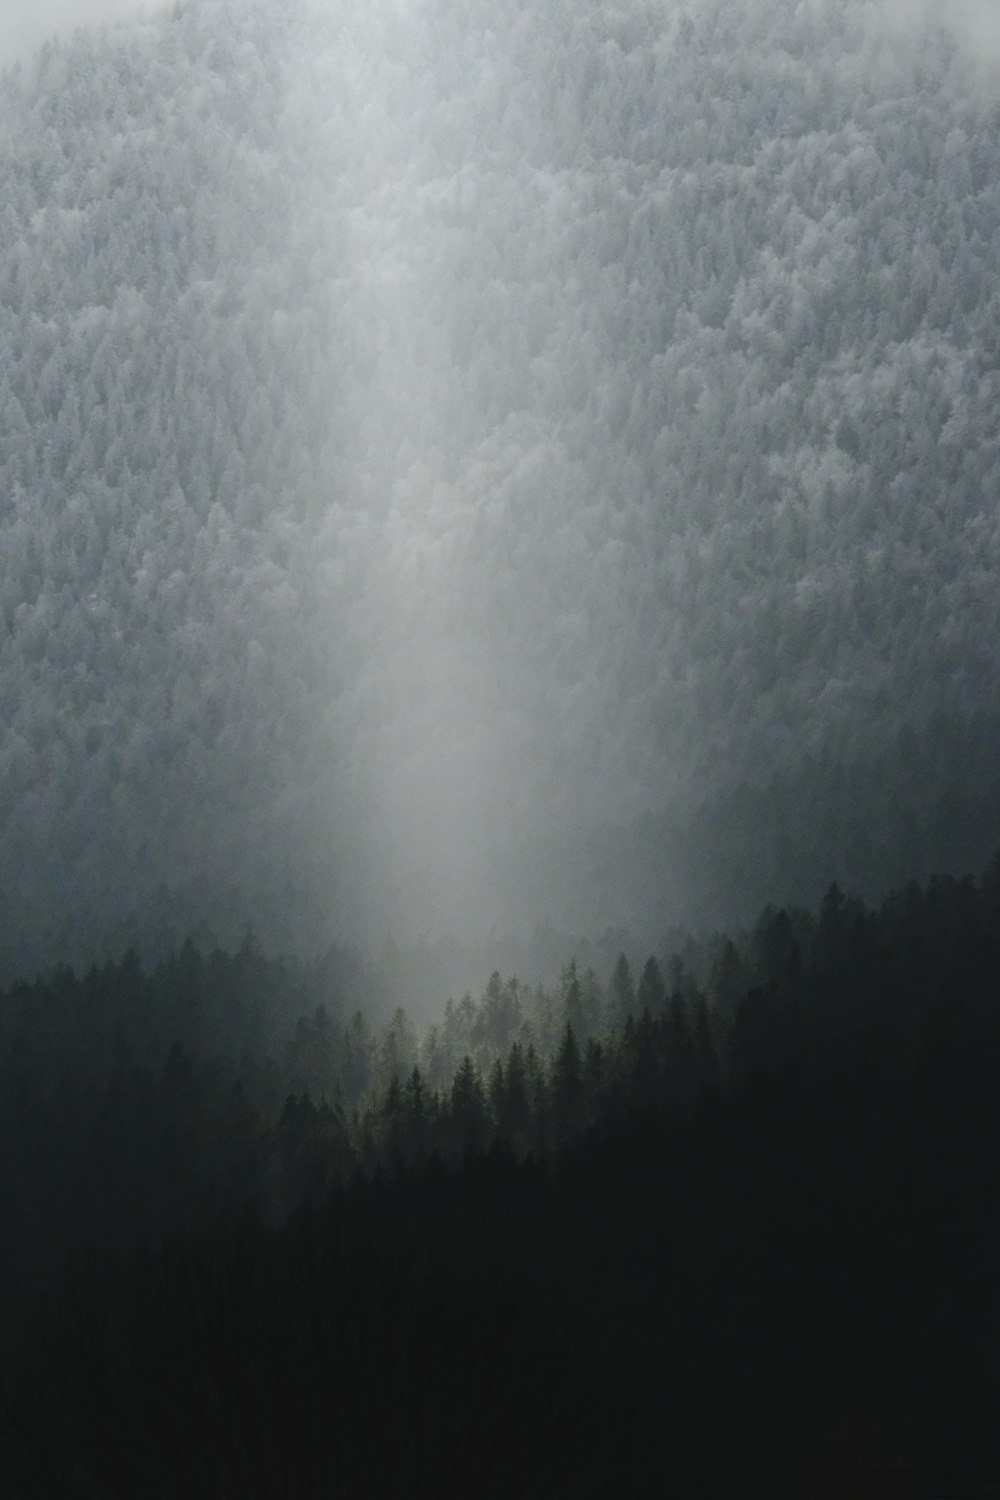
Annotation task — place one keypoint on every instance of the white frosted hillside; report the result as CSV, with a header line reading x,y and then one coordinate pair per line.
x,y
463,462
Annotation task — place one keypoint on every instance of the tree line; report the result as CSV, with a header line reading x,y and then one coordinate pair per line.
x,y
729,1220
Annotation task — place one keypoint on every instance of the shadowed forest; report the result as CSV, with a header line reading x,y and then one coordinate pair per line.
x,y
471,468
727,1224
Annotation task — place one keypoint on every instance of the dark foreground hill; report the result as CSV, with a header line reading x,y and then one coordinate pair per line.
x,y
745,1246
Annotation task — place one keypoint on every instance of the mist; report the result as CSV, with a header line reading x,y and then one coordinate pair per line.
x,y
499,707
473,468
973,23
24,26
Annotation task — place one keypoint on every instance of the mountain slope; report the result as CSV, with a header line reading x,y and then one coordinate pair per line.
x,y
463,463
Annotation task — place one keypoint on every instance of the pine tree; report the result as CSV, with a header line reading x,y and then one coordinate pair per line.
x,y
621,1003
399,1047
707,1070
679,1047
515,1124
500,1016
468,1109
416,1115
567,1090
572,999
359,1058
652,991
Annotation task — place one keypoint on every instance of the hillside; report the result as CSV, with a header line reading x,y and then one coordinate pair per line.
x,y
466,463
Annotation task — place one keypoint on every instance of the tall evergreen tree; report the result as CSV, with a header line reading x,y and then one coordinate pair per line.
x,y
622,997
652,992
567,1089
468,1115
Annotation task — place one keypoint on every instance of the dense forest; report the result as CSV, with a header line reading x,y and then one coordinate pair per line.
x,y
492,492
468,463
723,1222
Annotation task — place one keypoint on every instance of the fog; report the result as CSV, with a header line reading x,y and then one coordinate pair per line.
x,y
499,709
25,26
475,466
975,24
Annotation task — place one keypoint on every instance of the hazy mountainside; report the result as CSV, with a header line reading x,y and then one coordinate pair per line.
x,y
468,461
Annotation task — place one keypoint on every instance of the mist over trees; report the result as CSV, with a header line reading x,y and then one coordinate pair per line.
x,y
24,26
722,1221
467,463
491,494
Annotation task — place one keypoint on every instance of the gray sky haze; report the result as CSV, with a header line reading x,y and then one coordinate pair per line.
x,y
25,24
974,23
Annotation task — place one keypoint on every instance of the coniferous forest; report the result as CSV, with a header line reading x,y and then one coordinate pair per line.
x,y
723,1222
464,463
492,493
